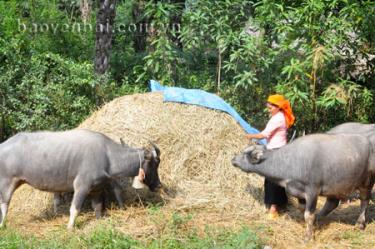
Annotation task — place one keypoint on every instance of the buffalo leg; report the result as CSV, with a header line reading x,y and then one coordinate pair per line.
x,y
78,199
57,200
329,206
365,199
97,204
6,191
4,210
297,189
117,190
309,215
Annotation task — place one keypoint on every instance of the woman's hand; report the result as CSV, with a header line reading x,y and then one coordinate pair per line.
x,y
249,136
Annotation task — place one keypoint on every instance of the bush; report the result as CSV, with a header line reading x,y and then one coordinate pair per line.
x,y
48,91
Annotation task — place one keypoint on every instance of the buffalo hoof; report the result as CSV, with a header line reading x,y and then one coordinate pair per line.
x,y
361,226
3,223
308,237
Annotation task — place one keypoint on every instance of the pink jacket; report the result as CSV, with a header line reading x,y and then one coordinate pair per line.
x,y
276,131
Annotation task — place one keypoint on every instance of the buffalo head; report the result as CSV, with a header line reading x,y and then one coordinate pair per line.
x,y
253,154
150,167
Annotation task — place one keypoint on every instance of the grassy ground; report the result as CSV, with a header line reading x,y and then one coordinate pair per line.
x,y
107,236
32,224
155,228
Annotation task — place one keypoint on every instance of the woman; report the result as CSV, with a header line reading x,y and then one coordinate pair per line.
x,y
275,132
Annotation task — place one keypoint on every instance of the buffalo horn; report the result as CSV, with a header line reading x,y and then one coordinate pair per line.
x,y
155,149
249,149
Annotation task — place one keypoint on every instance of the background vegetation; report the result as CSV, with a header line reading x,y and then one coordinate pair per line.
x,y
319,53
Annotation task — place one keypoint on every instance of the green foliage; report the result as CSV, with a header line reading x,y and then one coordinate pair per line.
x,y
48,92
124,58
160,62
47,26
212,27
311,49
323,45
319,53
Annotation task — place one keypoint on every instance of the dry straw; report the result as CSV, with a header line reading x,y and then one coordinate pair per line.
x,y
197,146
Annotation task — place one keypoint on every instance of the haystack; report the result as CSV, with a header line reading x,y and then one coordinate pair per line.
x,y
197,145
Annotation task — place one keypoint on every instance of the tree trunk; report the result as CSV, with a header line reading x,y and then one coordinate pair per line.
x,y
104,28
219,60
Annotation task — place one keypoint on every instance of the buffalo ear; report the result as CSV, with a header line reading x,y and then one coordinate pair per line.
x,y
259,155
155,149
256,156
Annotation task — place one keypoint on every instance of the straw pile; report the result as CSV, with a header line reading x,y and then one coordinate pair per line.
x,y
197,145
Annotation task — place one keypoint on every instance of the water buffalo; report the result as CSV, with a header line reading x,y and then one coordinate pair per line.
x,y
353,127
367,130
316,165
79,161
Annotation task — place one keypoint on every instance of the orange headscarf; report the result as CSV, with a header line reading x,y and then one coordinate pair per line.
x,y
281,102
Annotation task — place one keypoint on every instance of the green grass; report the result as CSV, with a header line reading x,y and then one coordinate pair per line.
x,y
107,237
356,237
173,231
103,238
220,239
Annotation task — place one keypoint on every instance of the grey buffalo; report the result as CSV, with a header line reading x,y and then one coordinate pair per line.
x,y
353,127
367,130
316,165
79,161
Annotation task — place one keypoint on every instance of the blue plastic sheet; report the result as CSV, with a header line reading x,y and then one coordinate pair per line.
x,y
201,98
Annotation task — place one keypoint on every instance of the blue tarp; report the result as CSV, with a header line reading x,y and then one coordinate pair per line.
x,y
202,98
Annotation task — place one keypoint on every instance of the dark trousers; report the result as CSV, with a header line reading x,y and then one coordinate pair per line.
x,y
274,194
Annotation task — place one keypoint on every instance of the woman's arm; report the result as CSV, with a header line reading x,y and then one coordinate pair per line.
x,y
256,136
